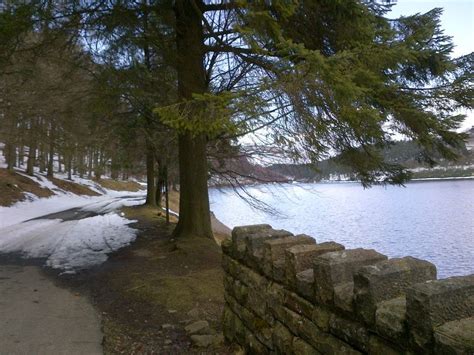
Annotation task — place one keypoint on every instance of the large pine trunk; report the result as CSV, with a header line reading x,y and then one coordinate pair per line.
x,y
194,216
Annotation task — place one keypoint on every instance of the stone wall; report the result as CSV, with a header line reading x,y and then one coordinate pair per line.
x,y
287,294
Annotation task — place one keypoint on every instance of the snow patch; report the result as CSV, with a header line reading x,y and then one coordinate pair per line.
x,y
70,245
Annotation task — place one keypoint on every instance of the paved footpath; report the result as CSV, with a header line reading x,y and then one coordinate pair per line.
x,y
38,317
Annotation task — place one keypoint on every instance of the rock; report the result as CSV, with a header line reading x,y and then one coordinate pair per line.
x,y
274,249
387,280
204,341
338,267
167,326
168,342
304,284
456,337
390,318
199,327
300,257
434,303
193,313
303,348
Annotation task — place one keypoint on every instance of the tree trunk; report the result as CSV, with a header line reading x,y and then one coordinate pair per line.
x,y
31,159
194,215
50,171
10,156
150,175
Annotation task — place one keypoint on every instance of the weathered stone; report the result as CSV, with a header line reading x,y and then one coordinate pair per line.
x,y
203,341
290,319
305,284
199,327
321,317
344,296
390,319
379,346
230,265
274,249
338,267
282,339
387,279
323,342
351,332
300,257
239,234
243,273
254,256
226,246
301,347
228,324
256,302
241,231
253,346
275,295
278,271
240,292
455,337
433,303
259,327
298,304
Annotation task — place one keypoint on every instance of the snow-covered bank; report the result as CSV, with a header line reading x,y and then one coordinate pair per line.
x,y
68,244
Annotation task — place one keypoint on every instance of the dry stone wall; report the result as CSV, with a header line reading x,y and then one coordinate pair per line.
x,y
286,294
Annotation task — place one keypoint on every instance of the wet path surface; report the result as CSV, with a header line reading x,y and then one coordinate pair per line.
x,y
38,317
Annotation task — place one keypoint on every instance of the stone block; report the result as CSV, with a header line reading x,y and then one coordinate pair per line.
x,y
282,339
455,337
298,304
258,326
353,333
254,255
301,347
321,317
390,319
338,267
244,274
239,234
387,279
278,271
257,302
344,297
323,342
300,257
253,345
379,346
227,247
228,323
434,303
290,319
305,284
274,249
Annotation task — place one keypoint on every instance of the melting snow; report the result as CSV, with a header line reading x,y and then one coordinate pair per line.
x,y
68,245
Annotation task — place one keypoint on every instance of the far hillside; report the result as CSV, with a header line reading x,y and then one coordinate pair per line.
x,y
405,153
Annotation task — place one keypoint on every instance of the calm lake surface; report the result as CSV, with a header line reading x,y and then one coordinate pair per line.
x,y
432,220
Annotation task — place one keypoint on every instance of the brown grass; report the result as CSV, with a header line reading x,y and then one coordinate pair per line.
x,y
120,185
73,187
13,187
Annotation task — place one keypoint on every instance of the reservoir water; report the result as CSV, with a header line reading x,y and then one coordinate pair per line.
x,y
431,220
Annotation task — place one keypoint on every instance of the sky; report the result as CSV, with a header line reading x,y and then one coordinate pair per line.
x,y
457,21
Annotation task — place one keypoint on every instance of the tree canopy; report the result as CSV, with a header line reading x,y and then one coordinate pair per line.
x,y
311,79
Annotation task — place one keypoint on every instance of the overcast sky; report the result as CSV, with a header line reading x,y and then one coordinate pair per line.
x,y
457,21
